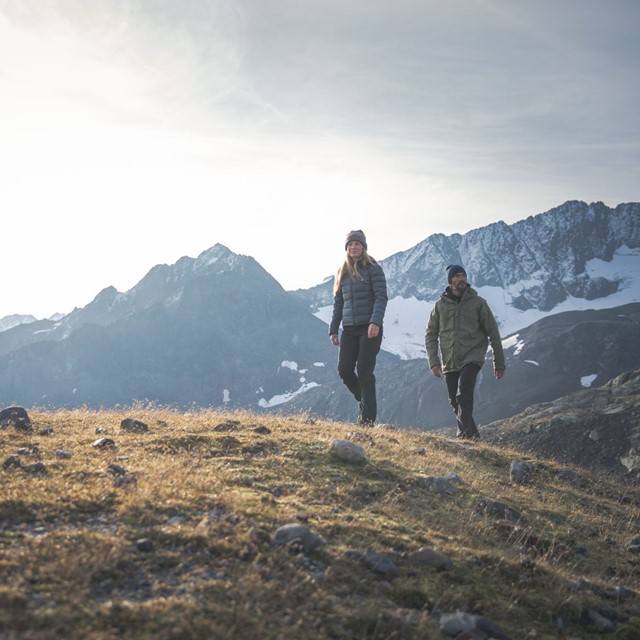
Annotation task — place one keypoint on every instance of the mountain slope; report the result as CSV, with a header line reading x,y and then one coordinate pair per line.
x,y
211,331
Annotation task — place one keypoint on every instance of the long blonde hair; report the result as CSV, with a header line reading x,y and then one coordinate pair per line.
x,y
350,267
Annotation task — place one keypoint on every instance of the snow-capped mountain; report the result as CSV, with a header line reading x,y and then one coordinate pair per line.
x,y
8,322
576,256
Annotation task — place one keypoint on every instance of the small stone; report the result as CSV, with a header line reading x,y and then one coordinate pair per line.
x,y
145,545
133,426
262,430
520,472
227,425
16,417
116,470
289,532
260,535
11,462
104,443
430,557
380,563
61,453
600,622
36,469
347,451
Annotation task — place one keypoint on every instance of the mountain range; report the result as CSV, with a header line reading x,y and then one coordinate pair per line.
x,y
218,330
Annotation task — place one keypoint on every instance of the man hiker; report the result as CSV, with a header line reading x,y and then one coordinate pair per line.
x,y
462,325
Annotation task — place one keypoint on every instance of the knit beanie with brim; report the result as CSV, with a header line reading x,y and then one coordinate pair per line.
x,y
454,270
358,235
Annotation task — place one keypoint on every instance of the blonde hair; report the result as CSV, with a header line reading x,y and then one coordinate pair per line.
x,y
350,267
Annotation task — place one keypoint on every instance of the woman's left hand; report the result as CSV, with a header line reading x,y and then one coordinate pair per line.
x,y
374,330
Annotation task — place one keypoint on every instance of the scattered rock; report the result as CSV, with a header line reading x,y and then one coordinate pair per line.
x,y
116,470
262,430
11,462
288,532
439,485
380,563
568,476
16,417
47,431
145,545
259,535
520,472
348,452
499,510
466,626
429,557
633,544
61,453
126,481
36,469
600,622
631,460
104,443
133,426
227,425
420,451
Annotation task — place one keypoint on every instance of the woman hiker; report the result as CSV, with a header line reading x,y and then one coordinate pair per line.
x,y
359,303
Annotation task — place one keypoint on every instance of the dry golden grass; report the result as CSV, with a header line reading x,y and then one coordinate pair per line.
x,y
70,566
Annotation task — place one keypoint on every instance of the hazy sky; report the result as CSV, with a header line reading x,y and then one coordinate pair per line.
x,y
135,132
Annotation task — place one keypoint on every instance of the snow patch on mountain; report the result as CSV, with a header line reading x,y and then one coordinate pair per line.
x,y
285,397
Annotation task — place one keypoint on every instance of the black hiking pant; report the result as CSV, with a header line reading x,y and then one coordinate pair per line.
x,y
460,387
356,362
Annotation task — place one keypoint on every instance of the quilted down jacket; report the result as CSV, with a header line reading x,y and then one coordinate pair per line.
x,y
361,300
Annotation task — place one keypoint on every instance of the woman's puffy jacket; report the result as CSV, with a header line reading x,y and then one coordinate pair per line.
x,y
361,300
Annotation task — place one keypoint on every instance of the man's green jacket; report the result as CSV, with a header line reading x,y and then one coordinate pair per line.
x,y
464,327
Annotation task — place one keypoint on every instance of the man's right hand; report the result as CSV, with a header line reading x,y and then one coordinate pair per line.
x,y
334,339
437,371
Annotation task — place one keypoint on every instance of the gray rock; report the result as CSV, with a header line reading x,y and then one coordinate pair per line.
x,y
11,462
145,545
439,485
61,453
133,426
601,623
430,557
116,470
520,472
348,452
103,443
294,531
36,468
16,417
380,563
631,461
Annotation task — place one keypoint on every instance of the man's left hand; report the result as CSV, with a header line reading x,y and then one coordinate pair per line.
x,y
498,373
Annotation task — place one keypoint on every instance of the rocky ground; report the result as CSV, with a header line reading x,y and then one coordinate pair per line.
x,y
596,429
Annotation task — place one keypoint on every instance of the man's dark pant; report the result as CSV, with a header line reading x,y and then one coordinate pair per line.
x,y
460,387
356,362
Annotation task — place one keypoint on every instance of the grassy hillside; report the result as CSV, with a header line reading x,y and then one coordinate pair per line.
x,y
175,533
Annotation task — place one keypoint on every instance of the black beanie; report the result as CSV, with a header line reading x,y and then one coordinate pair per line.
x,y
454,269
358,235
